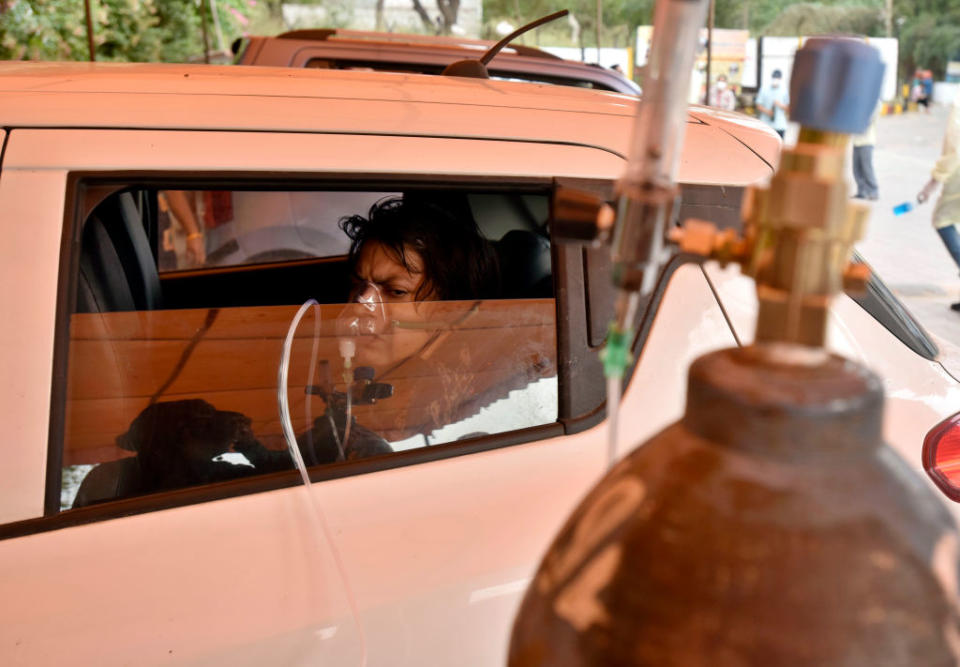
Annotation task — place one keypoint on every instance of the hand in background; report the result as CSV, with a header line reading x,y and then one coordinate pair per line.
x,y
196,250
927,190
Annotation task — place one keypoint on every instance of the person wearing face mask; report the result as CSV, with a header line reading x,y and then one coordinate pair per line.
x,y
406,253
773,103
406,257
412,250
721,96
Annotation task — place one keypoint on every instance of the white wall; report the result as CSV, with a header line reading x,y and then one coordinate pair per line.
x,y
778,53
749,77
943,92
609,56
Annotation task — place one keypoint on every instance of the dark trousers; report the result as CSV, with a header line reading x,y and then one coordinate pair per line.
x,y
951,239
863,171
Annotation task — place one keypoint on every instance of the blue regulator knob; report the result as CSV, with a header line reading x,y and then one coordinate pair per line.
x,y
835,84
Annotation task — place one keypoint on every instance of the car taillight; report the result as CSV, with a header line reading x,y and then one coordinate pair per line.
x,y
941,456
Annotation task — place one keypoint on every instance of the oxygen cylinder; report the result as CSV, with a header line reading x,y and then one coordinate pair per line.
x,y
771,525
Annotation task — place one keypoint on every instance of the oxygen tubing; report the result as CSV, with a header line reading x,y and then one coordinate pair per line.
x,y
315,512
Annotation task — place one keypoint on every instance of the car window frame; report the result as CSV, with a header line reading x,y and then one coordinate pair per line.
x,y
76,209
56,155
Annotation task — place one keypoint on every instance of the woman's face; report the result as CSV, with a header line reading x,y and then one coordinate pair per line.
x,y
380,274
389,306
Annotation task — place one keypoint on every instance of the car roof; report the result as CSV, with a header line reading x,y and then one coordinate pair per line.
x,y
472,46
425,53
123,95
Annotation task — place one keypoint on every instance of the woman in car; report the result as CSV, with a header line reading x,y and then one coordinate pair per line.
x,y
414,250
405,254
419,270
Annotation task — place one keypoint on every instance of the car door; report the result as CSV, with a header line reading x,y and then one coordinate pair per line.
x,y
251,580
421,555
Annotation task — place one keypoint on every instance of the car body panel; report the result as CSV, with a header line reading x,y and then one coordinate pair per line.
x,y
298,152
302,101
29,310
246,581
758,137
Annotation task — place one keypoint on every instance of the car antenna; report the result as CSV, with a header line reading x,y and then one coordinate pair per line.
x,y
477,68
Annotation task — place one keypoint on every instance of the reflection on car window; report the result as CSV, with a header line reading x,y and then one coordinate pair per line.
x,y
424,68
228,228
172,378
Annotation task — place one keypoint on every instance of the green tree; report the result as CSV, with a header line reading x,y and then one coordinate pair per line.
x,y
818,19
124,30
928,42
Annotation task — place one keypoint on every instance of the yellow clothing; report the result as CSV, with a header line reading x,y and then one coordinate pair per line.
x,y
947,171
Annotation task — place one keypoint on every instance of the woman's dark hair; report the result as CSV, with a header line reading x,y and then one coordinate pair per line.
x,y
458,262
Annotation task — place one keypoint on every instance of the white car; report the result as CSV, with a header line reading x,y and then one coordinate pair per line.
x,y
496,419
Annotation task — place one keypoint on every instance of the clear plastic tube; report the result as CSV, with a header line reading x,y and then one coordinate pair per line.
x,y
661,119
314,510
613,418
348,419
647,189
314,353
283,399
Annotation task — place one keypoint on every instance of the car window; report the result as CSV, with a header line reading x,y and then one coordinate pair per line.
x,y
178,326
424,68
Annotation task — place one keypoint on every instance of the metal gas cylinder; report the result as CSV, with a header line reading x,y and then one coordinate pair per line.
x,y
771,525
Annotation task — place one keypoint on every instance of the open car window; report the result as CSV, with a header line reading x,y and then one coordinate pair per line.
x,y
174,354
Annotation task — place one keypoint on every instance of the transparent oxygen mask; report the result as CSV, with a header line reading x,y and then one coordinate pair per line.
x,y
366,314
414,374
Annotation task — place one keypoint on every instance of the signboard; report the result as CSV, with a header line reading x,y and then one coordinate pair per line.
x,y
729,51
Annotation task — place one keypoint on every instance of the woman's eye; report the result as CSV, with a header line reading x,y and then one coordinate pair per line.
x,y
398,292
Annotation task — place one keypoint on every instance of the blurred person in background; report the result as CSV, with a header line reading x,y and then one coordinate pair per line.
x,y
773,103
946,172
922,89
721,96
863,172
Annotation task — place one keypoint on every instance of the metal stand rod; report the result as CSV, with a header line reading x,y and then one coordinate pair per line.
x,y
89,18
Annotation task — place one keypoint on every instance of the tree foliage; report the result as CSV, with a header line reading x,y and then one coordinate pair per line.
x,y
128,30
816,19
170,30
928,42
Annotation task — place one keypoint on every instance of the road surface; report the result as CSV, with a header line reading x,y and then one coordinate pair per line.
x,y
905,250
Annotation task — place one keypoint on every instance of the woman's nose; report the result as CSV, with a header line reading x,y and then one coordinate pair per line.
x,y
367,293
